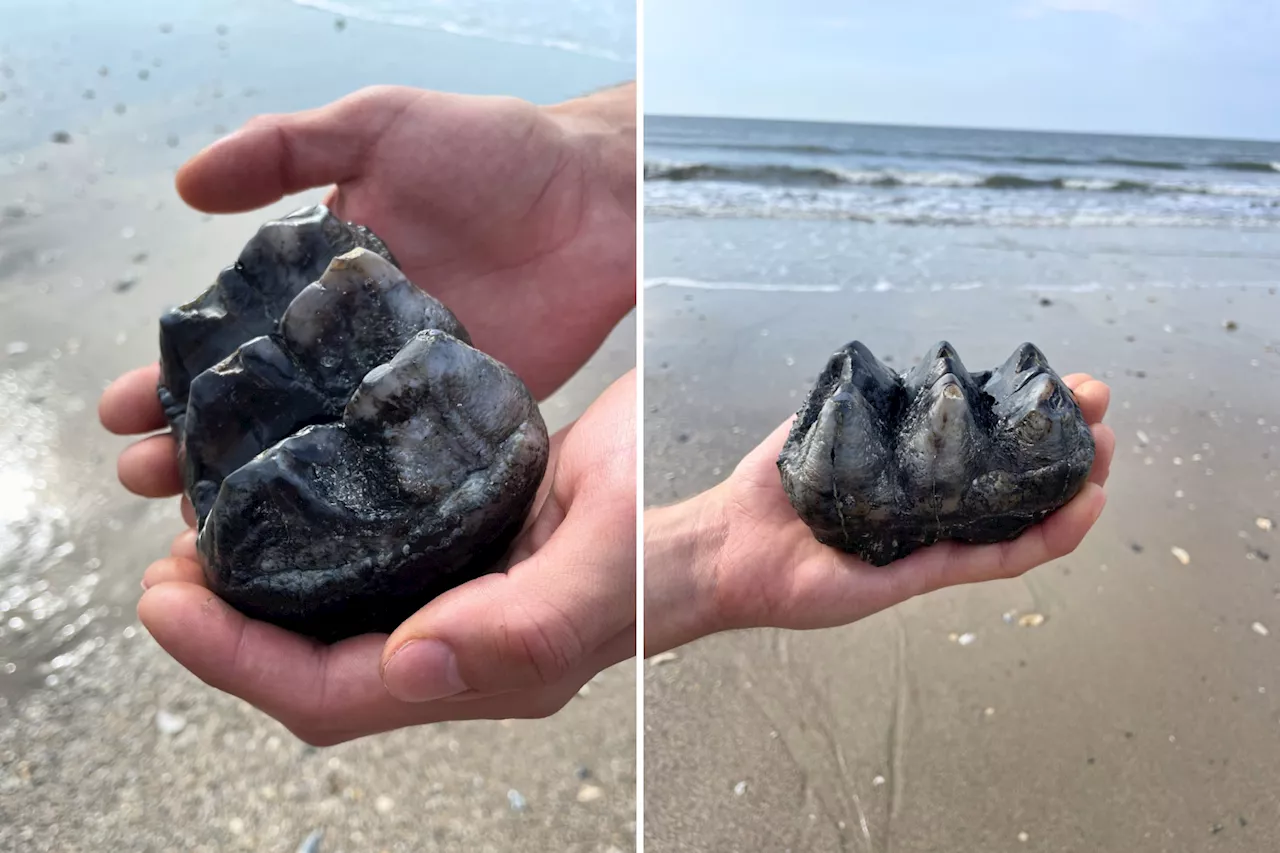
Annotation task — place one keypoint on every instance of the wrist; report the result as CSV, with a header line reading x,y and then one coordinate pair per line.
x,y
603,126
683,550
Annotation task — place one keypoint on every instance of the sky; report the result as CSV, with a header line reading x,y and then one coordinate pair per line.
x,y
1169,67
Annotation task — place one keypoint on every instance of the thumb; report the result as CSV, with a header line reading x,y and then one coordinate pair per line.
x,y
549,612
527,628
277,155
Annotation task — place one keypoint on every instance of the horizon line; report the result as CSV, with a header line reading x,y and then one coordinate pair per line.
x,y
920,125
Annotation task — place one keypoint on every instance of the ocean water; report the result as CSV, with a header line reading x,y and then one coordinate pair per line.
x,y
601,28
702,167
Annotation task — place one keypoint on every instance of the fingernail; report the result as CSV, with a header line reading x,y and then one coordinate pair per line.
x,y
145,587
422,671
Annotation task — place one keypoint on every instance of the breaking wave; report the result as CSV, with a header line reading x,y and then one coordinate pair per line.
x,y
828,177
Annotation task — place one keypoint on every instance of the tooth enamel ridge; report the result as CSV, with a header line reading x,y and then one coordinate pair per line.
x,y
880,464
348,454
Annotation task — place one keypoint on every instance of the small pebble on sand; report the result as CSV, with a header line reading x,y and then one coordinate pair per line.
x,y
1181,555
663,657
1023,837
1264,523
740,789
61,137
384,804
1230,325
516,800
1031,620
1260,629
169,723
589,793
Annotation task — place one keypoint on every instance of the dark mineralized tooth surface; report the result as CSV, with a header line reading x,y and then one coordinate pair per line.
x,y
248,297
350,456
880,465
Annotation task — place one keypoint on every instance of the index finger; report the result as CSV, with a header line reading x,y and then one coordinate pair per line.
x,y
130,405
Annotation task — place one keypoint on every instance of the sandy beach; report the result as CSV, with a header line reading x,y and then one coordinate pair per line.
x,y
105,743
1140,713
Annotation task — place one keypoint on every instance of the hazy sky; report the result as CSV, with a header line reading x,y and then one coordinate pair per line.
x,y
1186,67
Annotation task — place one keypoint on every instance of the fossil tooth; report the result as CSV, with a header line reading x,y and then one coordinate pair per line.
x,y
880,465
349,455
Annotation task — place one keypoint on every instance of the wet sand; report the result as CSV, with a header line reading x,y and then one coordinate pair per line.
x,y
1141,714
106,744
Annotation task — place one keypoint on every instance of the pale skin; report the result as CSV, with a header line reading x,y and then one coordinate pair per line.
x,y
738,556
521,219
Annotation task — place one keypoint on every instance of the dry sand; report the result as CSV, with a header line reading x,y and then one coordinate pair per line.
x,y
105,743
1142,714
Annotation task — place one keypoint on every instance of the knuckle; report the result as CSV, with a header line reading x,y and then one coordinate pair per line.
x,y
547,640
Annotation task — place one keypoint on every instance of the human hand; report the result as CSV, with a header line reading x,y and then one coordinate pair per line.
x,y
519,218
738,556
523,642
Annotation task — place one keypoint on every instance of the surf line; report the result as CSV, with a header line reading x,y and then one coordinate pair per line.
x,y
758,287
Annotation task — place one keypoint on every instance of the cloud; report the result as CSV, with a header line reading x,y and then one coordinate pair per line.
x,y
1129,9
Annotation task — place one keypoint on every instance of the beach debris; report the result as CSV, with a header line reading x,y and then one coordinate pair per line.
x,y
1259,629
1031,620
740,789
663,657
61,137
590,793
1181,555
311,844
169,723
516,800
1230,325
972,457
1264,523
17,347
